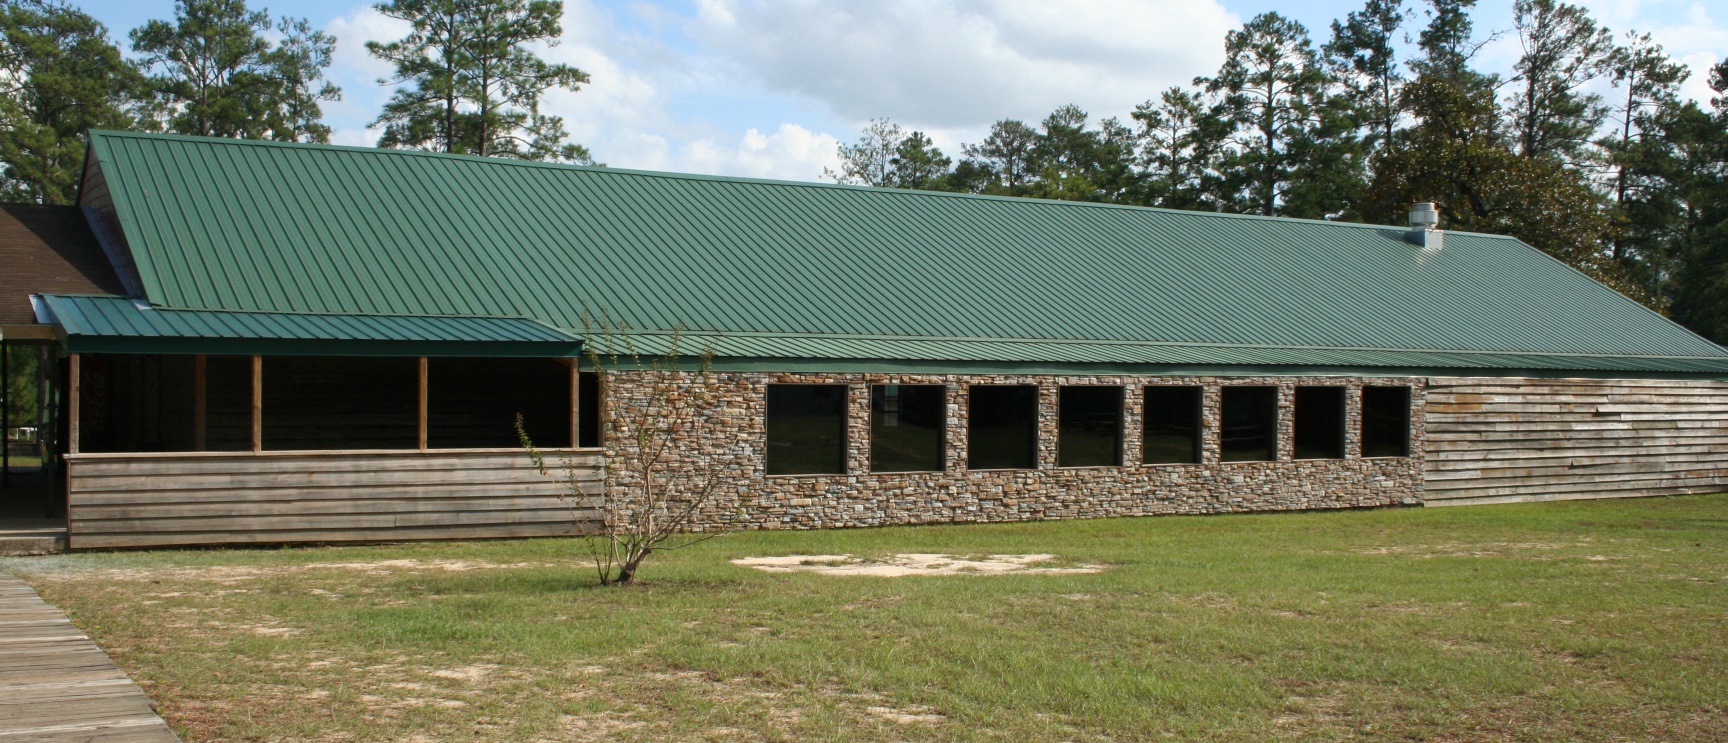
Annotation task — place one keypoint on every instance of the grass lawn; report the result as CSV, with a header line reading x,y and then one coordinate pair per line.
x,y
1596,620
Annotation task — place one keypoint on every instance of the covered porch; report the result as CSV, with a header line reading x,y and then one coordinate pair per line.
x,y
190,427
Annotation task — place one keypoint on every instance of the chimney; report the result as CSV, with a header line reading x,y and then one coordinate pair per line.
x,y
1424,217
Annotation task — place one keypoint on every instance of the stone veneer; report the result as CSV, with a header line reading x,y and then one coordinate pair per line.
x,y
733,439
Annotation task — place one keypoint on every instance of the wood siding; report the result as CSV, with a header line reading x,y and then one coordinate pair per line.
x,y
1503,440
147,500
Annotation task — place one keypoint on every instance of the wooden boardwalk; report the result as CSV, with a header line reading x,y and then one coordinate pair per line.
x,y
56,686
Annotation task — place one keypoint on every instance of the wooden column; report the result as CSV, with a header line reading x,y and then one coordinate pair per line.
x,y
575,404
73,404
422,403
6,412
257,404
200,403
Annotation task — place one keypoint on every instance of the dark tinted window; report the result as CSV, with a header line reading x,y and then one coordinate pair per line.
x,y
1002,427
906,422
1319,423
806,429
1385,421
1089,427
1249,423
1172,425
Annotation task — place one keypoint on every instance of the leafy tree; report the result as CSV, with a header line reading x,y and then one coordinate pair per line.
x,y
1273,90
470,83
888,156
1364,61
217,73
1455,155
869,161
60,76
1563,52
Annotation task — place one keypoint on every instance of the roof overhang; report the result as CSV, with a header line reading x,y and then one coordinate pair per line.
x,y
110,324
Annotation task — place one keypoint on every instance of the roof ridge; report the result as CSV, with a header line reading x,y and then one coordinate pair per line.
x,y
674,175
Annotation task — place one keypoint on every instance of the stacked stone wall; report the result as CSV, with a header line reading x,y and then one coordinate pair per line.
x,y
730,442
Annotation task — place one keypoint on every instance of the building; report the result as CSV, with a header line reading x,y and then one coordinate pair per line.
x,y
317,343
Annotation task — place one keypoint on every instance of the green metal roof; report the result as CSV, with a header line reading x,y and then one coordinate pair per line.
x,y
229,225
107,324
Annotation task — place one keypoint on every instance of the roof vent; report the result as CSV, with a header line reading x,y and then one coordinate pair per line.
x,y
1424,217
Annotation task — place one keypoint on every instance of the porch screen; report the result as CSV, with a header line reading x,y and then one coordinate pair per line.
x,y
473,403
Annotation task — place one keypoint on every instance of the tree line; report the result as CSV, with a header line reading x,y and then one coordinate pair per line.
x,y
467,82
1630,187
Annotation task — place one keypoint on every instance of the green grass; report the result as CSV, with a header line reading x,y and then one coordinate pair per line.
x,y
1568,621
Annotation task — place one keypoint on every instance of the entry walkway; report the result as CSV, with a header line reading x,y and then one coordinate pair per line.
x,y
56,686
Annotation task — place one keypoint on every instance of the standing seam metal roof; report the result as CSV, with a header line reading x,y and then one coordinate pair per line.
x,y
255,226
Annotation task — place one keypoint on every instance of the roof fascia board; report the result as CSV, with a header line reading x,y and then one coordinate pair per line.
x,y
304,347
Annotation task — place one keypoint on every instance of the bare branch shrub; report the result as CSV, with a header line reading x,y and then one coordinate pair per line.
x,y
650,496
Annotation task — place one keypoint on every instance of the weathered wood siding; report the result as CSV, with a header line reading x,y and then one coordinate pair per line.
x,y
144,500
1500,440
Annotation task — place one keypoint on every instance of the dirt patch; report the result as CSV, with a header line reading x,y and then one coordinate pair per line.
x,y
229,574
907,716
917,563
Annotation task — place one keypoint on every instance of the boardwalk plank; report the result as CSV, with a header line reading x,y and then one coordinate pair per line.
x,y
56,686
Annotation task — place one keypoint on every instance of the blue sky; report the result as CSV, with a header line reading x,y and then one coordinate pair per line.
x,y
769,87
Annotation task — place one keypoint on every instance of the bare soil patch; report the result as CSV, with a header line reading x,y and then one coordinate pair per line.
x,y
912,563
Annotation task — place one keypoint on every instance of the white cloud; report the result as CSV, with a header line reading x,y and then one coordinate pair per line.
x,y
1687,29
791,152
963,63
357,72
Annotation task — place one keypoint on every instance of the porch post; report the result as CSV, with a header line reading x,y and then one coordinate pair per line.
x,y
200,407
74,401
422,403
575,404
257,404
5,412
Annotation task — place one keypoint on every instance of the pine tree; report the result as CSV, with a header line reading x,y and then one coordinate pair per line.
x,y
1272,89
1364,60
1004,162
1699,284
1564,51
1181,142
1640,161
471,84
217,72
